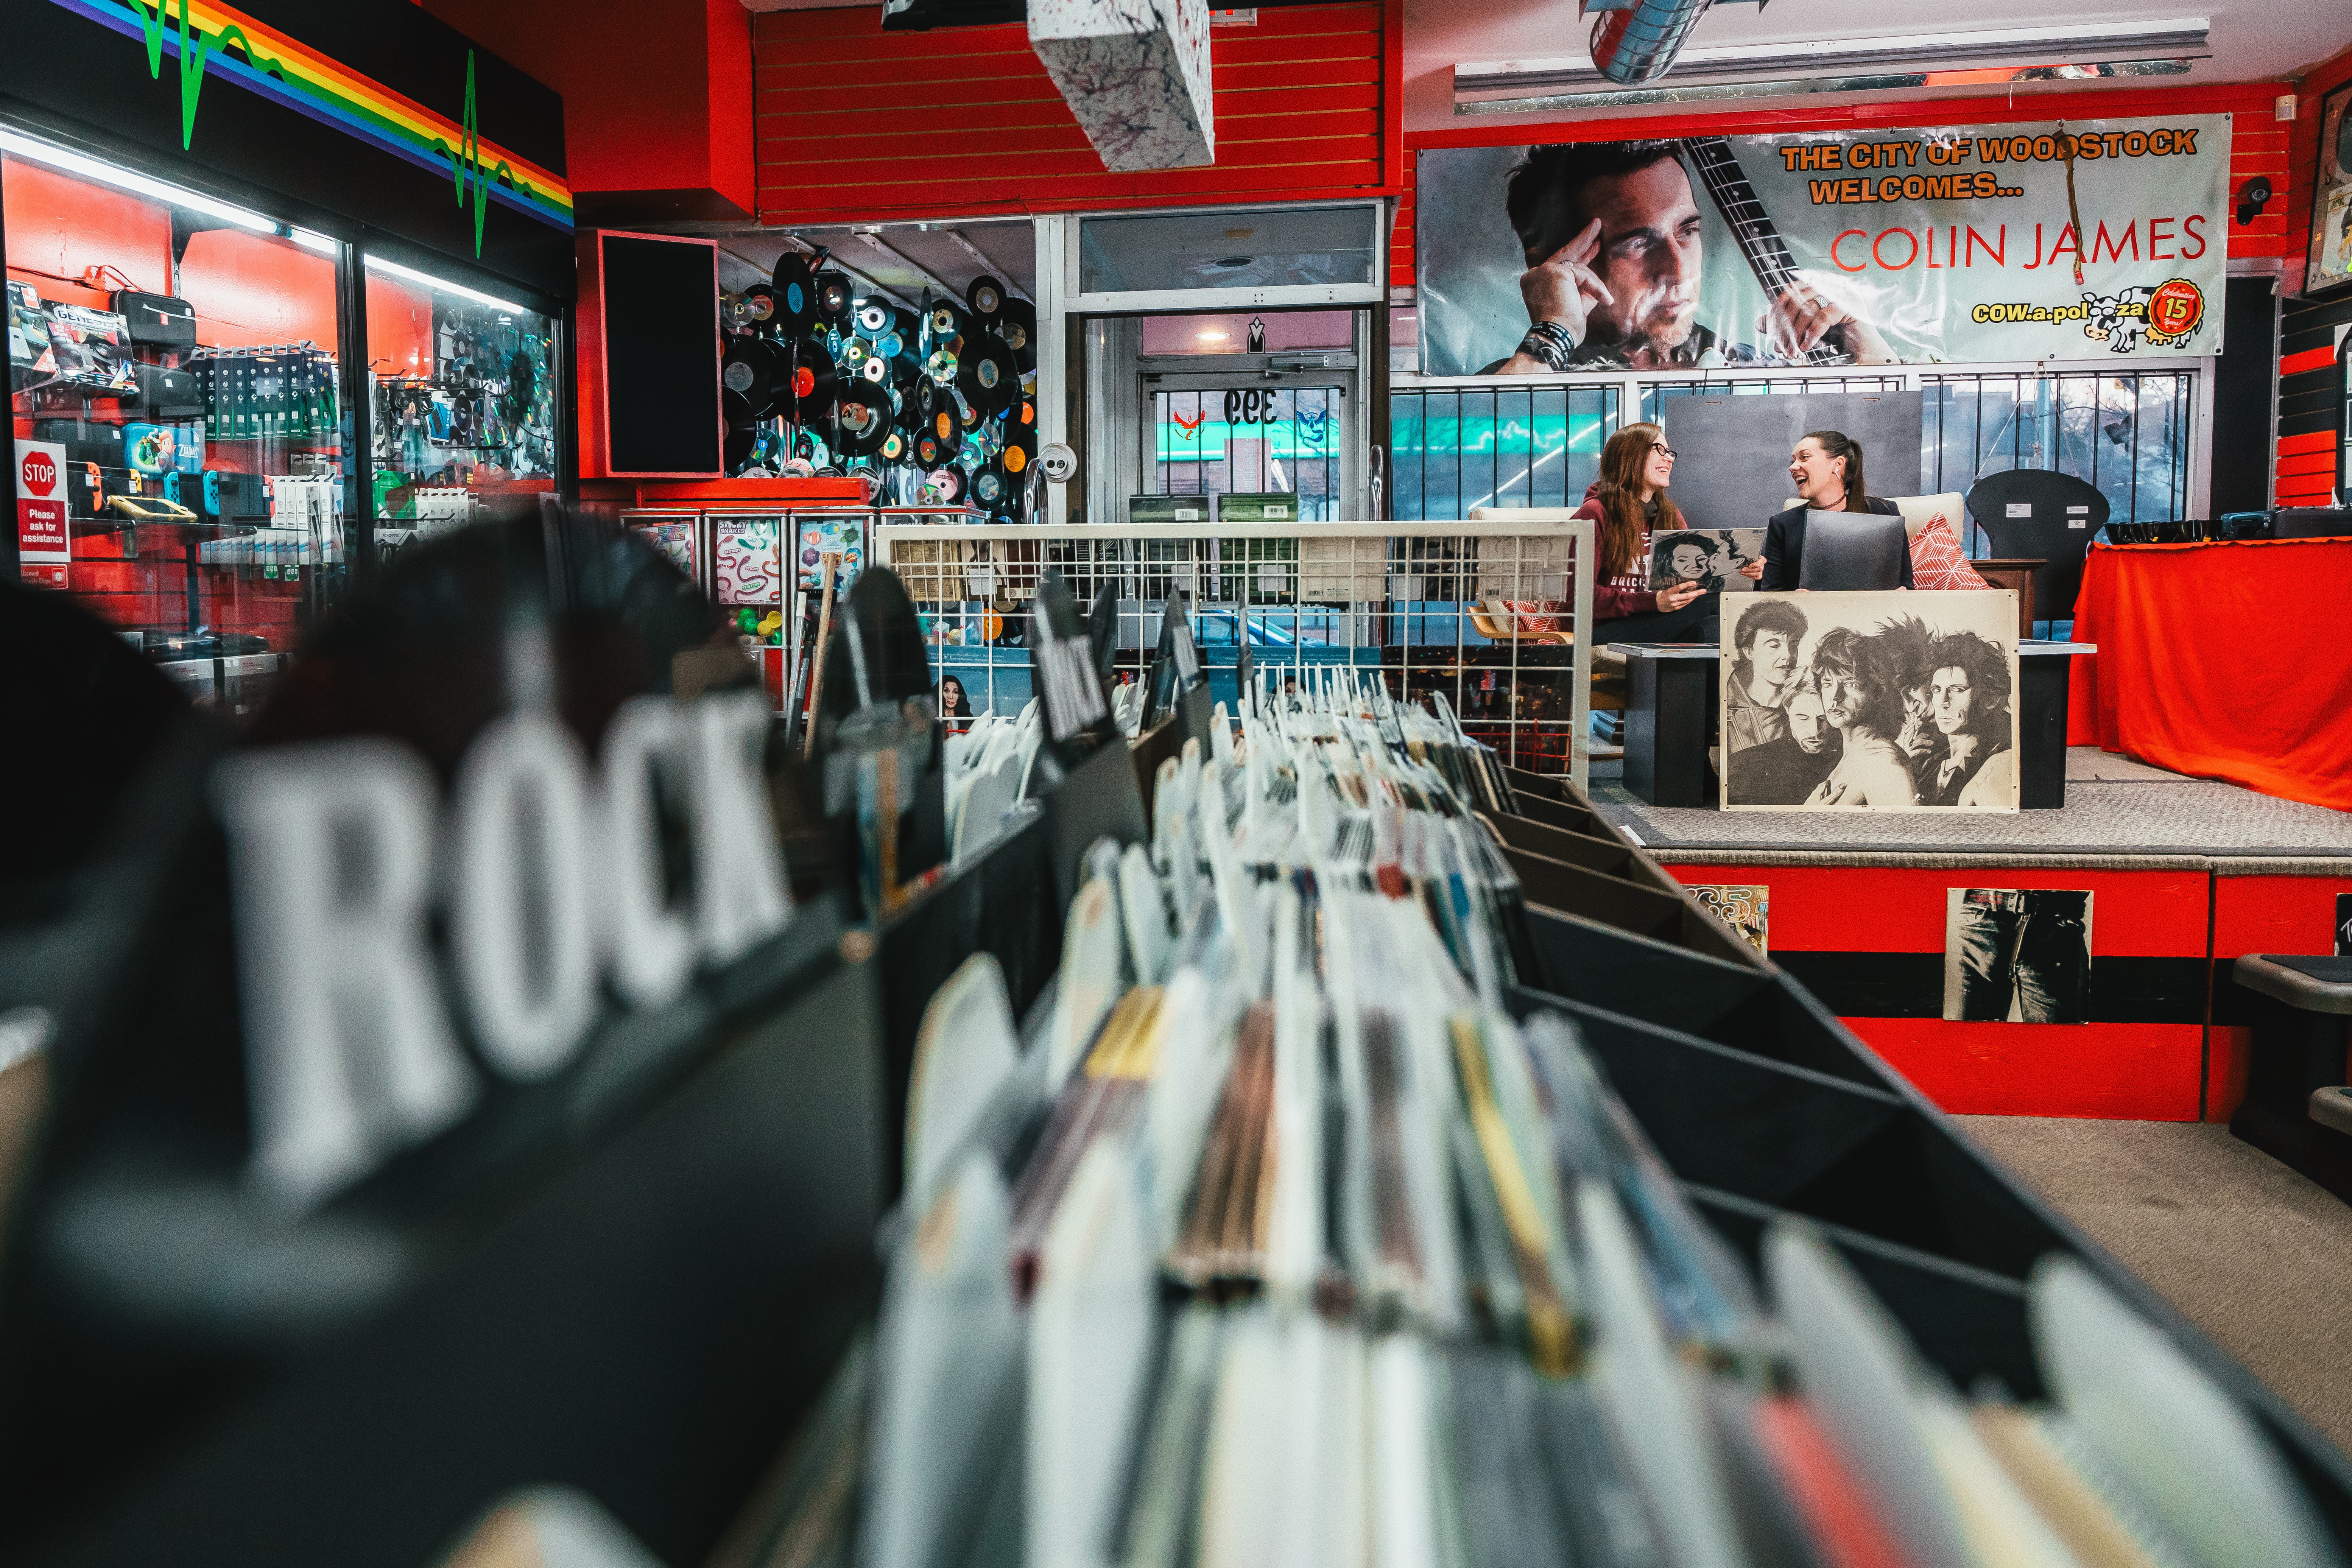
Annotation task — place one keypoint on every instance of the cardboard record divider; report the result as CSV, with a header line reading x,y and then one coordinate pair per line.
x,y
579,1281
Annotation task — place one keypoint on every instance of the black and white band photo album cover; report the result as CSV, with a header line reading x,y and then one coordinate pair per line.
x,y
1710,557
1878,702
2017,955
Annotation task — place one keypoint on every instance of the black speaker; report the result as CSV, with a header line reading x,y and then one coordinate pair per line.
x,y
655,316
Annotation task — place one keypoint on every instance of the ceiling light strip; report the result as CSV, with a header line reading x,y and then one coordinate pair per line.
x,y
1636,96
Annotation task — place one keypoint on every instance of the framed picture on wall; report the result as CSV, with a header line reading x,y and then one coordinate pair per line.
x,y
2327,269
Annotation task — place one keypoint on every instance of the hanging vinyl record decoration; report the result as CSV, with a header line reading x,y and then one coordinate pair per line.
x,y
930,450
810,383
944,320
760,303
872,319
987,376
863,422
1018,328
947,485
986,297
894,448
994,490
947,424
795,292
742,428
834,295
748,370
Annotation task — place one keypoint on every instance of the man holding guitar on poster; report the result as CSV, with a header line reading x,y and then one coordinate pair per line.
x,y
1612,236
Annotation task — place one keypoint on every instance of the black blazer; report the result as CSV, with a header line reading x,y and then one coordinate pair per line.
x,y
1784,545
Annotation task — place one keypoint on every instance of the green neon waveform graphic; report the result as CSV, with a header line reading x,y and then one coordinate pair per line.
x,y
195,54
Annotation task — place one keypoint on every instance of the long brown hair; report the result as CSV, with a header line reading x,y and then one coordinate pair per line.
x,y
1836,444
1622,458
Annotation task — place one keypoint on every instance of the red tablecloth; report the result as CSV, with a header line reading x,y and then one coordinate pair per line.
x,y
2229,661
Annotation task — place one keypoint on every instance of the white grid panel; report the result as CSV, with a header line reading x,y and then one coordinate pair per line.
x,y
1417,603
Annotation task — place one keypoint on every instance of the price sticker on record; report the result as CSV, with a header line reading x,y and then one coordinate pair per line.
x,y
43,540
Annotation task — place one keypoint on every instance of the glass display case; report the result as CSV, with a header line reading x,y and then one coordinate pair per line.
x,y
462,397
173,387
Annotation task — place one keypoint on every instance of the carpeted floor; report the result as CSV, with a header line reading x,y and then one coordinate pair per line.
x,y
2113,805
2246,1250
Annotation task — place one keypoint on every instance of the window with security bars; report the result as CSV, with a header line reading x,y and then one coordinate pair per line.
x,y
1454,449
2127,434
1480,618
1251,440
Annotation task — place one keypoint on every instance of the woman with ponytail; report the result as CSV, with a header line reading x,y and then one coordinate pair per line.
x,y
1627,504
1826,468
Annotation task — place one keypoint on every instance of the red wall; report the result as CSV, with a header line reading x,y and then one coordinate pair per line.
x,y
2259,144
656,97
1869,940
2258,914
854,122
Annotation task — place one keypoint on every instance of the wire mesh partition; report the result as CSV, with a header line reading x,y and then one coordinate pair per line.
x,y
1455,449
2129,433
1484,611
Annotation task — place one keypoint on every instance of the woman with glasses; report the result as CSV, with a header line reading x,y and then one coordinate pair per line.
x,y
1628,505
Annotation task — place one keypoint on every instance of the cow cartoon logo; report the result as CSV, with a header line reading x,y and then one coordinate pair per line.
x,y
2118,321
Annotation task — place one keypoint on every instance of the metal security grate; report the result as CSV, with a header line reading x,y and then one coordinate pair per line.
x,y
1431,611
1457,449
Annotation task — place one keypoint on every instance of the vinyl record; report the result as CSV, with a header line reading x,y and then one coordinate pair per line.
x,y
1023,419
948,483
1018,326
835,293
876,370
862,422
986,297
987,376
810,382
1016,458
795,292
947,426
872,319
945,322
994,490
741,445
894,446
759,303
930,450
890,344
738,410
750,370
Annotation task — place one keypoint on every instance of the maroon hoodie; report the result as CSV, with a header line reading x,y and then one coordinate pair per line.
x,y
1630,594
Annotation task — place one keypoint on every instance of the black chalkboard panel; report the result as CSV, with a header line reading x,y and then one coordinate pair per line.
x,y
659,301
1734,467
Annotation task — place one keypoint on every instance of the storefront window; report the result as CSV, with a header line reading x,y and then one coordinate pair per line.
x,y
1268,249
172,363
461,403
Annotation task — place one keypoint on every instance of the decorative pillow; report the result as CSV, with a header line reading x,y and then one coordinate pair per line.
x,y
1937,560
1541,615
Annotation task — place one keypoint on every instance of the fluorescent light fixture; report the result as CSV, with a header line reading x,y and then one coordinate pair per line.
x,y
2181,37
311,239
1213,337
1671,93
91,168
378,264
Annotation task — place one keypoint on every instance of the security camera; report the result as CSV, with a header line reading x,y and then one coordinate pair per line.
x,y
2251,197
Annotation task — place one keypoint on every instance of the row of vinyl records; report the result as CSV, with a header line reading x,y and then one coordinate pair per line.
x,y
1271,1237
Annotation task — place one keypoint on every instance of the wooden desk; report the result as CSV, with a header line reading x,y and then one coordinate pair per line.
x,y
2013,571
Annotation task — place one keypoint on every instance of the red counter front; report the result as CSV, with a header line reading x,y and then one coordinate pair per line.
x,y
2227,660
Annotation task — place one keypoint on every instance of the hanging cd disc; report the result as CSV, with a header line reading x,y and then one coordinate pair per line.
x,y
855,352
795,292
986,297
862,421
940,366
835,294
987,376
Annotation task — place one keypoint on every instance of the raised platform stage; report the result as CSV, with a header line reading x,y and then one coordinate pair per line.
x,y
2185,874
